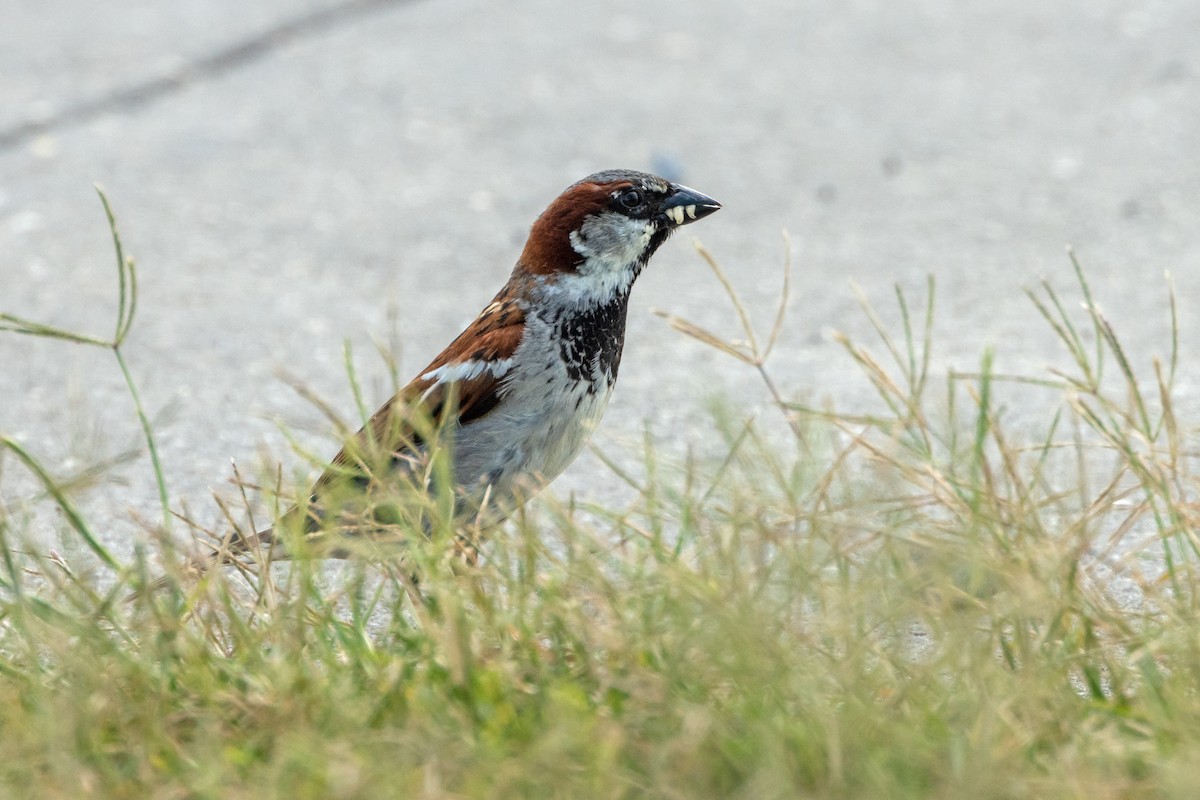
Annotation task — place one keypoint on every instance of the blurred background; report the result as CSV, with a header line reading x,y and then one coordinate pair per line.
x,y
294,174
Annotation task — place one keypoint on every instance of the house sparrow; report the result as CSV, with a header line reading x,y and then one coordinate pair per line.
x,y
517,394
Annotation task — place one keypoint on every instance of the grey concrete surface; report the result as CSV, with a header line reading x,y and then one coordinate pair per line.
x,y
280,202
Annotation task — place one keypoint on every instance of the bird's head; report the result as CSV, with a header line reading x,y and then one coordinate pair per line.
x,y
596,237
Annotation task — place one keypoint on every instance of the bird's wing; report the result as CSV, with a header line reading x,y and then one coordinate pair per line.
x,y
463,383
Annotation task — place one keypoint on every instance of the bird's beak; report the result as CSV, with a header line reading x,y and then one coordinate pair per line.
x,y
687,205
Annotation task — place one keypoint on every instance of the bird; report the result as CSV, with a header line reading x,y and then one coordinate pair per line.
x,y
511,401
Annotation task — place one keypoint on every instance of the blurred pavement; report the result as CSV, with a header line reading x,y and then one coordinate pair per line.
x,y
285,172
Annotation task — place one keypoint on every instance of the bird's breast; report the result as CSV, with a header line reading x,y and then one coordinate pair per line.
x,y
552,399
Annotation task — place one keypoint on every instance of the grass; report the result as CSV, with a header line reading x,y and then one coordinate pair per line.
x,y
919,602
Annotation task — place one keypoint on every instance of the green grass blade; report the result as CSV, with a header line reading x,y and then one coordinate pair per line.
x,y
64,504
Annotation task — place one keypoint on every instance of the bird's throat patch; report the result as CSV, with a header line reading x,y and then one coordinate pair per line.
x,y
591,341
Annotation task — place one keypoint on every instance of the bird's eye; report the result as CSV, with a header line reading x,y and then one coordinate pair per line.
x,y
631,198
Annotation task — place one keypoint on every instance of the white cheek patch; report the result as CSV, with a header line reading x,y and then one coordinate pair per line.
x,y
613,247
611,240
468,370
